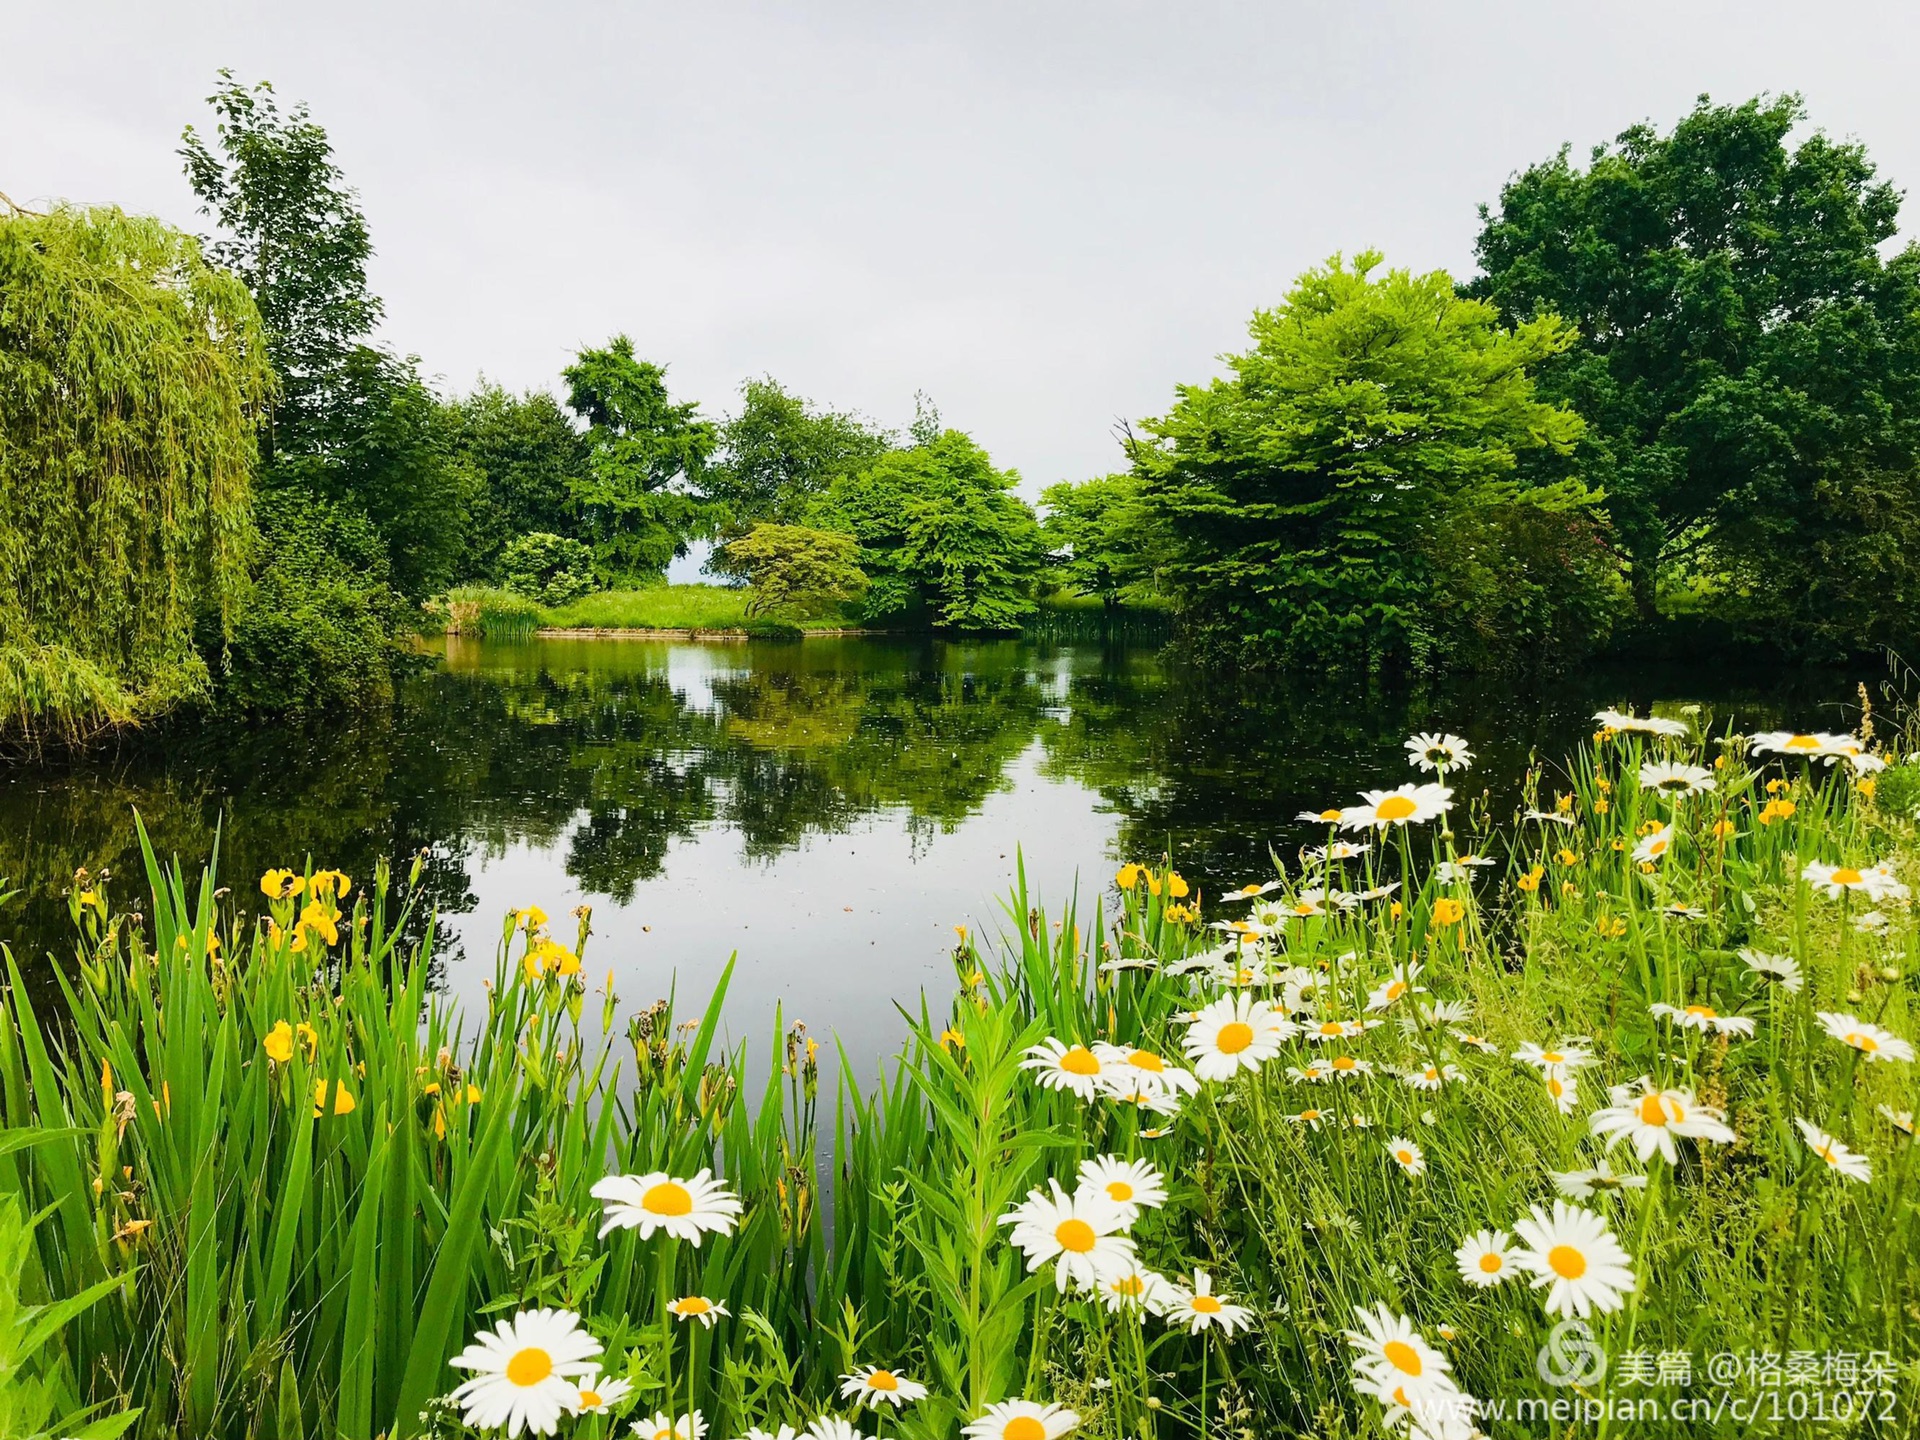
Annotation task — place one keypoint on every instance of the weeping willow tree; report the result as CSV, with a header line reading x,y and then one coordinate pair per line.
x,y
133,376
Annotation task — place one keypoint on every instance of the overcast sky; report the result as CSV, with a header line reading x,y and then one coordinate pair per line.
x,y
1044,214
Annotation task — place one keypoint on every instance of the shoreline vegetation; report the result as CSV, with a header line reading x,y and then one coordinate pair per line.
x,y
1367,1146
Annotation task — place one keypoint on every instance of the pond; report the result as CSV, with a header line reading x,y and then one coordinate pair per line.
x,y
828,809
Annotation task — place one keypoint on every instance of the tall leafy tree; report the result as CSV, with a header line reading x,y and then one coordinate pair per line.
x,y
638,499
132,379
528,457
780,452
295,234
1101,535
1301,494
1749,360
943,535
357,429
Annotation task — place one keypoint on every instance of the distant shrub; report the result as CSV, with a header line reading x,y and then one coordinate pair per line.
x,y
549,568
497,614
796,570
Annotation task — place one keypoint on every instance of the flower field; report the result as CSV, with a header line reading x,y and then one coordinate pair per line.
x,y
1447,1114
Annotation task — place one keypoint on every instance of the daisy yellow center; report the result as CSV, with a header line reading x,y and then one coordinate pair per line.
x,y
1206,1305
1846,876
1130,1285
1567,1262
1075,1235
1234,1037
1333,1027
883,1380
1023,1427
1344,1062
1395,807
529,1366
1863,1042
1703,1012
692,1305
667,1198
1490,1264
1119,1191
1403,1357
1396,989
1552,1057
1405,1157
590,1400
1329,814
1309,1114
1080,1061
1652,1112
1801,742
1825,1152
1554,1087
1146,1060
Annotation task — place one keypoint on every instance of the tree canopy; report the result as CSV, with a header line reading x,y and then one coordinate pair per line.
x,y
1300,495
943,535
133,376
1748,361
779,453
647,454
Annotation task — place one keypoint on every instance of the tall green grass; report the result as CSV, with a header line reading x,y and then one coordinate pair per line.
x,y
285,1272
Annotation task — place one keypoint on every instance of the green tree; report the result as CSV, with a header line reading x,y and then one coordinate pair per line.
x,y
133,377
795,570
527,456
1099,531
552,569
294,234
942,535
779,453
1303,494
1749,362
647,455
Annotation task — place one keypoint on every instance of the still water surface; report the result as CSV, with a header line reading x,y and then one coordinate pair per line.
x,y
829,809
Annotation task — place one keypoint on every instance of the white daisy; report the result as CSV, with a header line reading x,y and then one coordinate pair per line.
x,y
1653,845
1406,805
1080,1233
1701,1017
598,1394
1870,1040
1249,892
826,1427
1781,970
1200,1309
1401,981
1004,1422
1137,1291
1131,1068
1820,745
1573,1255
526,1371
1627,722
662,1426
1876,883
1651,1118
1485,1258
1901,1120
1430,752
1564,1091
1552,817
1058,1066
1392,1350
1235,1033
1328,816
1431,1076
1315,1072
1841,1160
685,1209
876,1386
1407,1155
1133,1185
1558,1061
1670,777
697,1307
1326,1032
1584,1184
1475,1042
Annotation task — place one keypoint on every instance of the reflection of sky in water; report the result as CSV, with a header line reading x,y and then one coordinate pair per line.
x,y
834,931
828,809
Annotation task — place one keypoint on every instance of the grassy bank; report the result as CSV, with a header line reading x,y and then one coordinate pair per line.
x,y
502,614
299,1182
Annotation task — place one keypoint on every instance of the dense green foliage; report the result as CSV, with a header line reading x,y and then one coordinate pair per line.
x,y
796,571
638,501
1101,536
132,378
943,537
1314,501
1748,362
547,567
527,456
779,453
